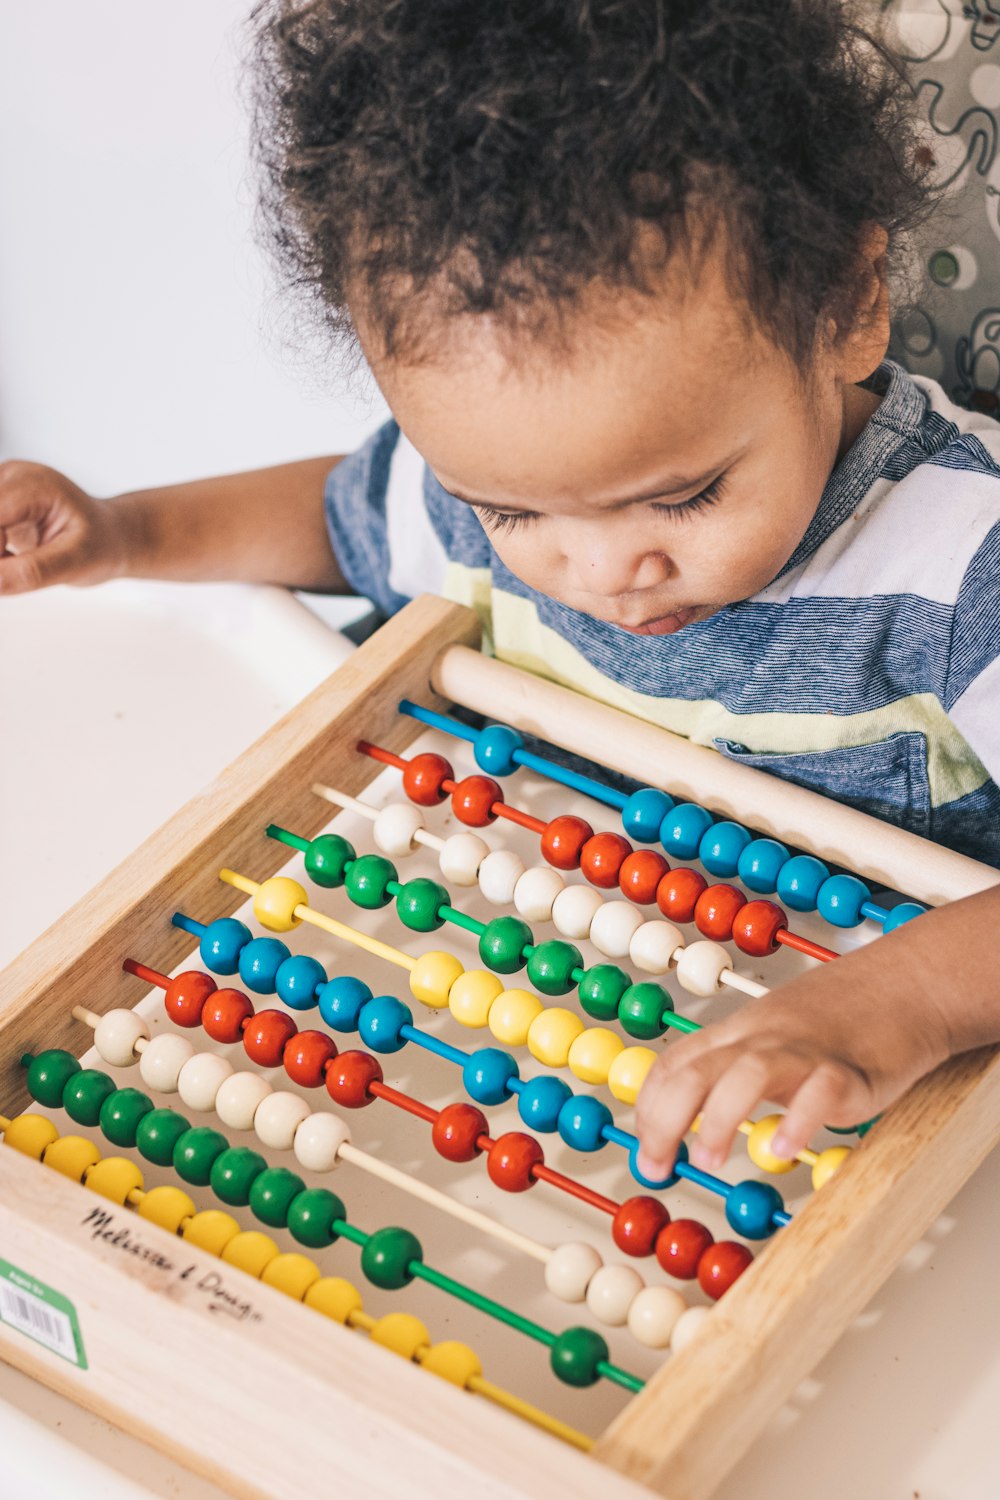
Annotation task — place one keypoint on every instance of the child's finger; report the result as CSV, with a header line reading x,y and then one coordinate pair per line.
x,y
821,1096
667,1105
55,562
750,1077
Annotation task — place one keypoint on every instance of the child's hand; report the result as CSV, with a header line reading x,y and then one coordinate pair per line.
x,y
52,532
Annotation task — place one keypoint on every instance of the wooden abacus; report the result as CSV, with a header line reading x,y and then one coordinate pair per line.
x,y
162,1364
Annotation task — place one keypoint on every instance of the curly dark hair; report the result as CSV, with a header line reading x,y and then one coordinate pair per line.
x,y
504,155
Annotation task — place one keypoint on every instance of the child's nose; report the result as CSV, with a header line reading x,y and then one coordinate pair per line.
x,y
605,567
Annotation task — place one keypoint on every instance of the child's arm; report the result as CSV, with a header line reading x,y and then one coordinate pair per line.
x,y
836,1046
266,526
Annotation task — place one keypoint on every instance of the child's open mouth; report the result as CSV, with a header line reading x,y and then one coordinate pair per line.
x,y
664,624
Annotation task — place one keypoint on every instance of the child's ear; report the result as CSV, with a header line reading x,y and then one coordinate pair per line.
x,y
859,344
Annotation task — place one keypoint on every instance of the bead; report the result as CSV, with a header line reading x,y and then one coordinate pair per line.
x,y
162,1060
233,1172
640,874
535,892
799,880
472,995
721,847
601,990
121,1113
276,901
225,1015
680,1246
636,1224
461,857
401,1333
627,1073
683,829
31,1135
759,864
239,1099
432,976
487,1073
157,1134
84,1095
201,1078
454,1362
677,894
839,900
381,1023
540,1101
456,1131
340,1002
116,1034
756,927
688,1327
574,909
644,812
569,1270
602,857
221,944
750,1208
318,1140
211,1230
114,1177
701,966
292,1274
562,841
387,1257
314,1217
511,1014
721,1265
271,1194
904,912
759,1146
335,1298
185,996
266,1037
716,909
259,963
498,876
72,1156
306,1056
583,1121
613,928
552,965
297,981
611,1293
196,1152
48,1075
349,1079
495,749
642,1009
395,828
592,1052
327,860
576,1354
424,778
368,880
653,1315
167,1206
826,1163
419,903
278,1117
654,947
511,1159
551,1035
251,1251
502,944
474,799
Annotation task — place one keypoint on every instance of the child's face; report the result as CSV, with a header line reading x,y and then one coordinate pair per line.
x,y
666,466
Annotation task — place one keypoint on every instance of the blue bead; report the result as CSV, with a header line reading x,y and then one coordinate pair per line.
x,y
760,864
340,1002
487,1073
901,914
799,880
683,829
721,847
643,813
297,981
380,1022
750,1209
840,899
494,749
581,1122
540,1101
259,964
647,1182
221,944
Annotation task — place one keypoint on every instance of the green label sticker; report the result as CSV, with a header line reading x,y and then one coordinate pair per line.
x,y
42,1314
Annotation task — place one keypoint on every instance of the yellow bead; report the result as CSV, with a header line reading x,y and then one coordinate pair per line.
x,y
402,1333
114,1178
453,1361
275,902
211,1230
31,1135
432,976
167,1206
511,1015
72,1156
827,1163
251,1251
292,1274
472,995
593,1052
759,1146
335,1298
551,1035
627,1072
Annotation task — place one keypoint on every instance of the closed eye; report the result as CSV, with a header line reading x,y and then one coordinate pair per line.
x,y
710,495
501,521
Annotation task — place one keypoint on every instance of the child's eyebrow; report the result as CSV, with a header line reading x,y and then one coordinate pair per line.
x,y
673,484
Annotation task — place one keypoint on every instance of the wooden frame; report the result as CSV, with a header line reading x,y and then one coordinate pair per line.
x,y
700,1413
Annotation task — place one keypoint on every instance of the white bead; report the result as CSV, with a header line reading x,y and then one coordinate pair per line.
x,y
654,1314
394,828
201,1078
535,892
653,946
318,1139
239,1099
461,857
611,1292
613,928
116,1034
574,908
569,1269
162,1060
498,875
278,1117
687,1327
700,965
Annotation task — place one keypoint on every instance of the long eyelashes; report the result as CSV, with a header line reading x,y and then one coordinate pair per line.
x,y
710,495
501,522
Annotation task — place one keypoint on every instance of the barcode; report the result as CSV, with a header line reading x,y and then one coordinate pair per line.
x,y
30,1315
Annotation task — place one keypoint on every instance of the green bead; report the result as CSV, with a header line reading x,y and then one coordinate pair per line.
x,y
158,1134
233,1174
85,1093
312,1215
575,1355
328,858
121,1113
386,1258
502,944
601,990
271,1194
418,903
551,966
196,1151
368,880
48,1075
641,1008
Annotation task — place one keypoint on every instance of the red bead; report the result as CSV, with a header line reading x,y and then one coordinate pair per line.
x,y
307,1056
680,1246
510,1159
186,995
265,1037
716,910
721,1265
424,778
456,1131
350,1077
602,857
755,927
677,893
226,1014
641,874
473,799
637,1223
563,840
